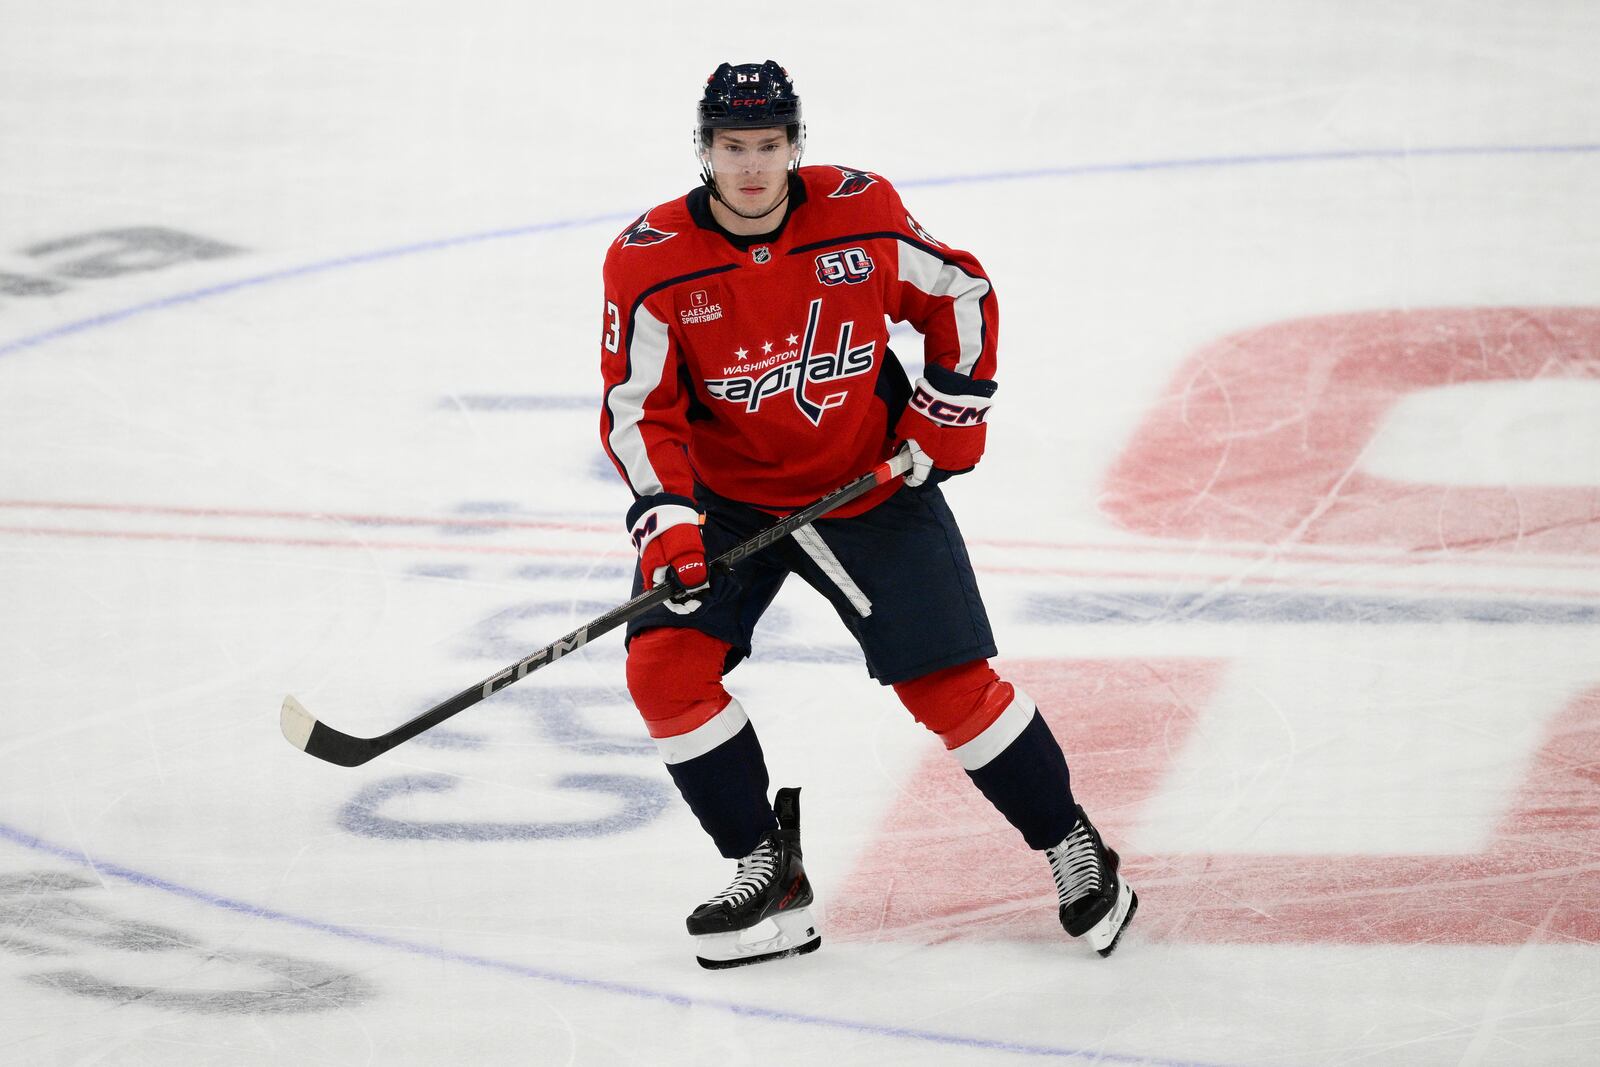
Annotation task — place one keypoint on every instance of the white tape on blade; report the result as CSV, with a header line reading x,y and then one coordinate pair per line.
x,y
296,723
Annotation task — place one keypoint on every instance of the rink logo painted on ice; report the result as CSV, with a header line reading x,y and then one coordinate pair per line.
x,y
848,266
1123,722
50,918
794,372
104,254
641,234
1240,448
855,183
701,309
571,802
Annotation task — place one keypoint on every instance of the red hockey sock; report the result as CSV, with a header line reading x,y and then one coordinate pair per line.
x,y
709,746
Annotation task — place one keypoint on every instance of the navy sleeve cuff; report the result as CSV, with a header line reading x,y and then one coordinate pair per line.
x,y
655,500
948,381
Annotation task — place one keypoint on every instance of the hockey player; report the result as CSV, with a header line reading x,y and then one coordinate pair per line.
x,y
747,373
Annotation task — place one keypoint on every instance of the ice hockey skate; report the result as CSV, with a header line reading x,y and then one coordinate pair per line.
x,y
1096,902
765,914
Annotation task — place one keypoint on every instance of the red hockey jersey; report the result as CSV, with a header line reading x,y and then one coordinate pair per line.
x,y
759,367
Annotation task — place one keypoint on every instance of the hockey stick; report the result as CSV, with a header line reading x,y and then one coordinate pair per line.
x,y
324,742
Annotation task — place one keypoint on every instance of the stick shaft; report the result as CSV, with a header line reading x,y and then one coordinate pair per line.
x,y
326,743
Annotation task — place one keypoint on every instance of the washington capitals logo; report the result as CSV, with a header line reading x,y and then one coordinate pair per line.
x,y
855,182
751,383
641,233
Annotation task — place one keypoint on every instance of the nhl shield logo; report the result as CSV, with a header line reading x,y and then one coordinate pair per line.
x,y
761,253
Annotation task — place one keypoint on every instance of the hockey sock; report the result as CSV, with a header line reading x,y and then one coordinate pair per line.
x,y
1027,781
957,703
703,734
726,788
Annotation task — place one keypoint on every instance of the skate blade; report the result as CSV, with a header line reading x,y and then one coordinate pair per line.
x,y
789,933
1103,936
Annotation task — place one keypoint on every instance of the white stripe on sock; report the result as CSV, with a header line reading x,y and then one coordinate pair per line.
x,y
702,739
997,737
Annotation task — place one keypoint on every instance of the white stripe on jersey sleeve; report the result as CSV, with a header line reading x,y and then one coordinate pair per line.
x,y
937,278
647,361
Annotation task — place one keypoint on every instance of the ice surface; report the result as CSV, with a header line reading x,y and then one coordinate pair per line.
x,y
1289,523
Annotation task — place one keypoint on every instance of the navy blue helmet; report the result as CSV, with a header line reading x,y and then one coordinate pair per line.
x,y
748,96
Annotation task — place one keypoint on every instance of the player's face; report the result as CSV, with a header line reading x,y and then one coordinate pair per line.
x,y
751,167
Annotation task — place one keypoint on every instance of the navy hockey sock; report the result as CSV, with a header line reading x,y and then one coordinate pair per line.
x,y
1029,784
726,788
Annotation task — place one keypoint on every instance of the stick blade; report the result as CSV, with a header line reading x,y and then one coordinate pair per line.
x,y
321,740
296,722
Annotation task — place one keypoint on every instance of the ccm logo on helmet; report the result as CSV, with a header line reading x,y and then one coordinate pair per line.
x,y
944,412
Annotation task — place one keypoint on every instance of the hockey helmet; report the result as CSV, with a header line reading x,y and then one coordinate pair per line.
x,y
748,96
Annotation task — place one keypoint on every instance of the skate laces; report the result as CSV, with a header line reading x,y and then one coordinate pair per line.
x,y
1076,865
755,873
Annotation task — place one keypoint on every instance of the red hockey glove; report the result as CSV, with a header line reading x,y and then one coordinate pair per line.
x,y
672,550
945,423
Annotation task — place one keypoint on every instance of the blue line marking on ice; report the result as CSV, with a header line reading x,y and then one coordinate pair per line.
x,y
1264,159
1079,170
522,402
1156,607
521,970
307,270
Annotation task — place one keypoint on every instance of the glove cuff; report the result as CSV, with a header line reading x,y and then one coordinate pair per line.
x,y
950,426
955,410
645,503
957,384
656,521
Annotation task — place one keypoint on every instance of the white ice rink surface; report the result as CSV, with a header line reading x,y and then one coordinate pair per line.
x,y
1290,523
